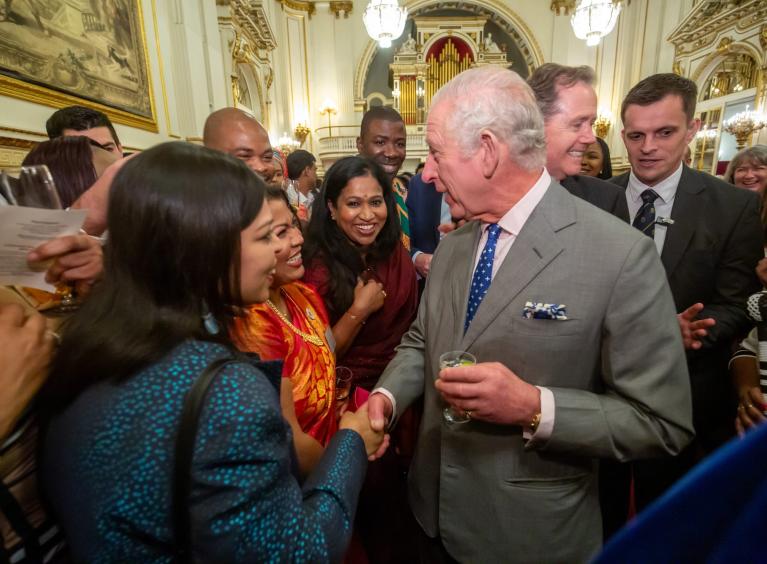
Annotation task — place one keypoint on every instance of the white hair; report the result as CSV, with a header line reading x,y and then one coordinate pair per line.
x,y
497,100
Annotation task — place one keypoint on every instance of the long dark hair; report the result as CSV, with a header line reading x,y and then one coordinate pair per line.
x,y
175,216
70,161
327,243
607,168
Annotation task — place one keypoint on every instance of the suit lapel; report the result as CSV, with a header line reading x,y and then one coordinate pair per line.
x,y
433,206
535,247
466,246
687,207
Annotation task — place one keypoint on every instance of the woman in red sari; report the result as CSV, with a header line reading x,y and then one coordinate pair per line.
x,y
293,325
355,258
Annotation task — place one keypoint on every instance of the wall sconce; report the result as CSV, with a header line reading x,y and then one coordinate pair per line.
x,y
420,91
301,132
396,92
329,108
743,124
603,122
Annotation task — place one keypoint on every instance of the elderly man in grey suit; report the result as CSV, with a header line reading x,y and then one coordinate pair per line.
x,y
572,323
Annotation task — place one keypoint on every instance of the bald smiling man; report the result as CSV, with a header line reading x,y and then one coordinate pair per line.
x,y
237,133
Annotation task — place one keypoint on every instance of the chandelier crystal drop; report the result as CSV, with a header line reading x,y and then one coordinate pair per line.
x,y
594,19
384,21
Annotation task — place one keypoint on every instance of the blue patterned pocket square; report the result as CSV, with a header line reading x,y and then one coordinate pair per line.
x,y
539,310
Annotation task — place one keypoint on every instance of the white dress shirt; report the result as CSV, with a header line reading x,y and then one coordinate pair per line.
x,y
666,190
511,224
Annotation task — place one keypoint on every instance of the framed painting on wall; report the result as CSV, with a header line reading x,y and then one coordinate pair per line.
x,y
89,52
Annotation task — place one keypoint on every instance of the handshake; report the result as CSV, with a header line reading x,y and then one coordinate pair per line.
x,y
369,422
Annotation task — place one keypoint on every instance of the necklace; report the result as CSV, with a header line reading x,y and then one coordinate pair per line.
x,y
309,338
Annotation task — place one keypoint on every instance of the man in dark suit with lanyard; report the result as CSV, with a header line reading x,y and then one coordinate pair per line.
x,y
709,236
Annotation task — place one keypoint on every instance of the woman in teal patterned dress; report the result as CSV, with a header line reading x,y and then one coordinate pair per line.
x,y
190,242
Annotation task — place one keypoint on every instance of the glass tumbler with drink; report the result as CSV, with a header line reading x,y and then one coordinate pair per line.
x,y
343,383
451,359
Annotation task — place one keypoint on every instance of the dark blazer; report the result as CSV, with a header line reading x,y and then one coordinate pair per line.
x,y
600,193
424,207
710,255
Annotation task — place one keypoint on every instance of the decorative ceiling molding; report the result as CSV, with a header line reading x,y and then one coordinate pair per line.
x,y
566,7
249,16
726,47
299,6
17,143
341,9
42,134
563,7
699,30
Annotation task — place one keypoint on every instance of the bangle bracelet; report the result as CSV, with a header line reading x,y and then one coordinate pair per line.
x,y
355,317
535,422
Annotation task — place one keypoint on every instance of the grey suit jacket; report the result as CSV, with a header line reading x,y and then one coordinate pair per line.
x,y
616,368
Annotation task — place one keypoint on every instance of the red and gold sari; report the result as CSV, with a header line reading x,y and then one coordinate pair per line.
x,y
310,367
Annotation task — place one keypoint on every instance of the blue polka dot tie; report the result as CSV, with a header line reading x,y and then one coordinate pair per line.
x,y
645,217
480,282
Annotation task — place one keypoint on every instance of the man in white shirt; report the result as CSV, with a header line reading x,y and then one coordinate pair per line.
x,y
572,324
302,170
709,237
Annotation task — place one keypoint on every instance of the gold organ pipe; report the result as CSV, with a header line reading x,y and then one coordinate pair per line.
x,y
410,101
405,87
406,111
442,67
443,64
453,61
